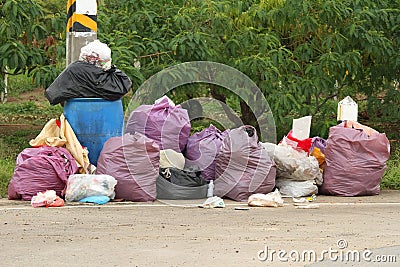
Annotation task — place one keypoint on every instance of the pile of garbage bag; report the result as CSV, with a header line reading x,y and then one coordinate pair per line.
x,y
157,157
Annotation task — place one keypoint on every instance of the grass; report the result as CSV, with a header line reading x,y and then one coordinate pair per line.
x,y
391,177
6,172
18,84
28,112
10,147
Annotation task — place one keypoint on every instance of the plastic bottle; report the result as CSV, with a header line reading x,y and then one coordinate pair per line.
x,y
210,191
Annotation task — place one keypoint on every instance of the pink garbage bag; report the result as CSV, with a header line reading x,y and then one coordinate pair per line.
x,y
40,169
243,166
202,149
133,160
163,122
355,161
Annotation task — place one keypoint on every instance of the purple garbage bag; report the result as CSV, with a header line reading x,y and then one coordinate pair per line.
x,y
355,162
202,149
40,169
168,125
318,142
242,166
133,159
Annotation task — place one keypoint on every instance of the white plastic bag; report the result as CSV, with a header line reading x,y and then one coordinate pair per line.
x,y
43,199
80,186
96,53
296,188
293,164
213,202
273,199
169,158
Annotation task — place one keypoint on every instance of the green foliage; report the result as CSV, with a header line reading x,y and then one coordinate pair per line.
x,y
18,84
6,172
31,108
45,75
28,36
200,124
10,147
19,108
303,55
391,177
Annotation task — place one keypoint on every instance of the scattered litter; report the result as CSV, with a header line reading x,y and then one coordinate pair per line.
x,y
308,206
210,190
58,202
304,200
47,199
301,128
347,110
312,198
96,199
169,158
299,200
273,199
241,208
213,202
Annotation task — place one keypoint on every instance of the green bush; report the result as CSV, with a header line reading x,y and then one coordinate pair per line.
x,y
391,177
6,172
18,84
10,146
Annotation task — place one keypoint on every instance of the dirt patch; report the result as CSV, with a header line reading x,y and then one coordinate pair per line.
x,y
35,95
28,130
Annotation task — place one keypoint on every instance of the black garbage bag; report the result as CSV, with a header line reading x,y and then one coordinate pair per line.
x,y
173,183
84,80
189,177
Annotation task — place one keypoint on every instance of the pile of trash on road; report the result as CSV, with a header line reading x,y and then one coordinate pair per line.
x,y
157,158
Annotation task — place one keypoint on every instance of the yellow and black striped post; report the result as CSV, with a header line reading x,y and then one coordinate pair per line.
x,y
81,26
85,22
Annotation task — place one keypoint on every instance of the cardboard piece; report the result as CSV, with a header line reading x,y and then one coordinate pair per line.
x,y
301,128
347,110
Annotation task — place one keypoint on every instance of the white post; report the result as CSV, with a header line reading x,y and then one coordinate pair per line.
x,y
81,26
4,92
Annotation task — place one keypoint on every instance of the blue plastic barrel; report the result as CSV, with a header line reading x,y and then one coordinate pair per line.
x,y
94,120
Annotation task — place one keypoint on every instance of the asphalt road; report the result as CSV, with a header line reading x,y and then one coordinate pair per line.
x,y
358,231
